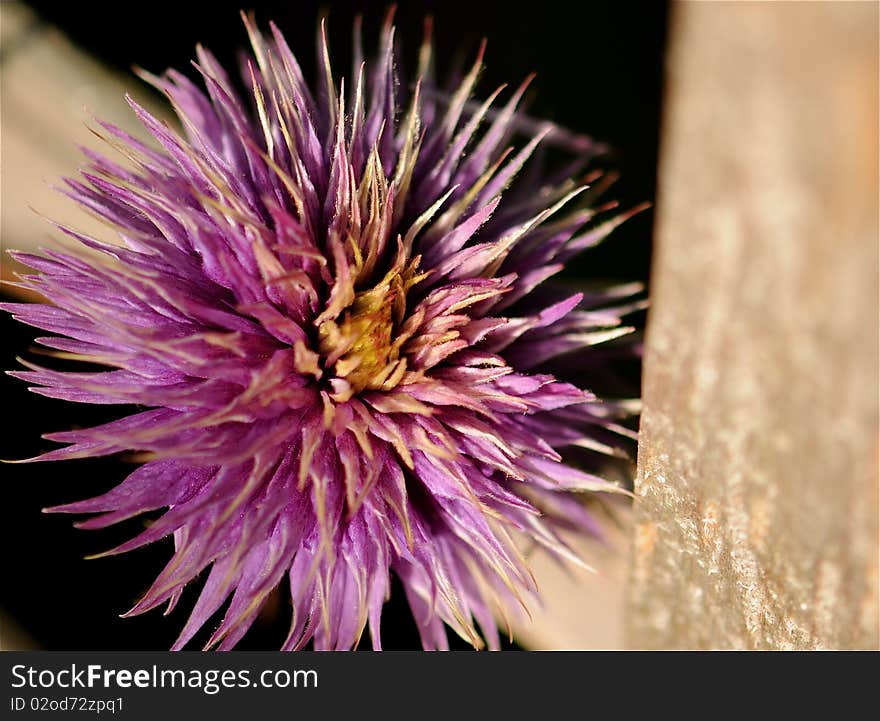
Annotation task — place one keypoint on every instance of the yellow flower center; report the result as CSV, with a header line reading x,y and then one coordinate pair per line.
x,y
362,345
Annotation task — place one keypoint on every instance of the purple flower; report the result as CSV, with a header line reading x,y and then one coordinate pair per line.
x,y
332,305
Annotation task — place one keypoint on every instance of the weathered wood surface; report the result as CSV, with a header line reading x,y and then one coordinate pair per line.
x,y
756,511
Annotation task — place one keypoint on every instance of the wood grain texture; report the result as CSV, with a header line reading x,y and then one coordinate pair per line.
x,y
756,512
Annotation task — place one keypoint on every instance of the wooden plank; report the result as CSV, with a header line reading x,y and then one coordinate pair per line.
x,y
756,516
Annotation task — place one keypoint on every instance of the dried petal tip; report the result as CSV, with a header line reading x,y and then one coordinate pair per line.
x,y
333,304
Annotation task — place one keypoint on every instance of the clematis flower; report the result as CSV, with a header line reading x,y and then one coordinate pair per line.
x,y
331,305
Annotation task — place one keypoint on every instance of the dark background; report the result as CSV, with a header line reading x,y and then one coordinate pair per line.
x,y
599,72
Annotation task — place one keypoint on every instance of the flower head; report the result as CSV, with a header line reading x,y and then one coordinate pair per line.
x,y
332,307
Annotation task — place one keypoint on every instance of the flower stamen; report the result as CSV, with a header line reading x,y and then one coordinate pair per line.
x,y
362,345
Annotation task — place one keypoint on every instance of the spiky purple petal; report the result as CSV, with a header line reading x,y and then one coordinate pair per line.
x,y
332,306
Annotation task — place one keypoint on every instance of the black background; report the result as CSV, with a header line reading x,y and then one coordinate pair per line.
x,y
599,72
